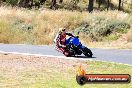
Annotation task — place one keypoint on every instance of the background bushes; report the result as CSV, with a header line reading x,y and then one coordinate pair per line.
x,y
103,28
19,25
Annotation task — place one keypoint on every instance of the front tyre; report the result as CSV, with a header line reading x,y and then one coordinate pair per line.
x,y
87,52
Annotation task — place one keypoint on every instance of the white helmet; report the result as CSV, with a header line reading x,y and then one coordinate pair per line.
x,y
61,29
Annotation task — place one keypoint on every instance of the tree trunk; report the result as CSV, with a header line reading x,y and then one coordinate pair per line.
x,y
108,4
61,1
53,4
99,3
42,2
3,0
90,5
24,3
21,3
119,6
122,3
31,3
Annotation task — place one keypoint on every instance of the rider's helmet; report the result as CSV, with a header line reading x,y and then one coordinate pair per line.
x,y
61,30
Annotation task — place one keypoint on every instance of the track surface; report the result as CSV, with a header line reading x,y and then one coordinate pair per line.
x,y
111,55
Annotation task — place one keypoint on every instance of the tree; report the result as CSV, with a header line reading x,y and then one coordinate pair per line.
x,y
24,3
61,1
99,3
2,0
53,4
31,3
108,4
119,6
42,2
122,3
90,5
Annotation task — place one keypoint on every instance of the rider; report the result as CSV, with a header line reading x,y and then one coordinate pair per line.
x,y
61,40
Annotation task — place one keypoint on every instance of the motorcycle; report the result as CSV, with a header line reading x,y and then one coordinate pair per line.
x,y
74,47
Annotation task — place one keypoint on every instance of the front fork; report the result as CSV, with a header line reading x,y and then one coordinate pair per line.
x,y
81,49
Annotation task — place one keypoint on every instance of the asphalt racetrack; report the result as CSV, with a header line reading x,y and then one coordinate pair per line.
x,y
110,55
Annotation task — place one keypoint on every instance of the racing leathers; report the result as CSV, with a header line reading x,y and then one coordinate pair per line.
x,y
61,42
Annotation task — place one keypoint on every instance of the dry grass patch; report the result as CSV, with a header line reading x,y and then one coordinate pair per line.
x,y
44,72
129,36
40,26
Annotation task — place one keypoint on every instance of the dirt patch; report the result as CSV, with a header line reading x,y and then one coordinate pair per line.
x,y
19,62
21,71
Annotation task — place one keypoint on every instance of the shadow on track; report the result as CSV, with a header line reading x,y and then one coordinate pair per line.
x,y
84,57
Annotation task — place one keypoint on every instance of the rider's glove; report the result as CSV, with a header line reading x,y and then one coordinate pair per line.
x,y
77,36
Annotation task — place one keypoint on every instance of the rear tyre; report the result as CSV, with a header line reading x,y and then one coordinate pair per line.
x,y
87,52
67,54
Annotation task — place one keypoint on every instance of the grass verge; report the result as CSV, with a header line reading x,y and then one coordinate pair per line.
x,y
19,71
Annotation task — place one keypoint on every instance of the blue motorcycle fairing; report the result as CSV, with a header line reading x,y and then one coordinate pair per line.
x,y
82,47
73,40
68,40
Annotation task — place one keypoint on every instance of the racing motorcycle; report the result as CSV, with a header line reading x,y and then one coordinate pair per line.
x,y
74,47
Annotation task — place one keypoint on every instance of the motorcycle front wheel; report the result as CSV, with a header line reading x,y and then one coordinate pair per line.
x,y
87,52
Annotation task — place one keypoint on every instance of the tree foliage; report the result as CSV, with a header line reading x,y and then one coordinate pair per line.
x,y
72,5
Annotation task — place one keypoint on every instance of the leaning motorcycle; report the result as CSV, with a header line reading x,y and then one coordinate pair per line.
x,y
75,48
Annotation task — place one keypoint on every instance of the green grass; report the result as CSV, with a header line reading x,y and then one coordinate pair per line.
x,y
47,78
